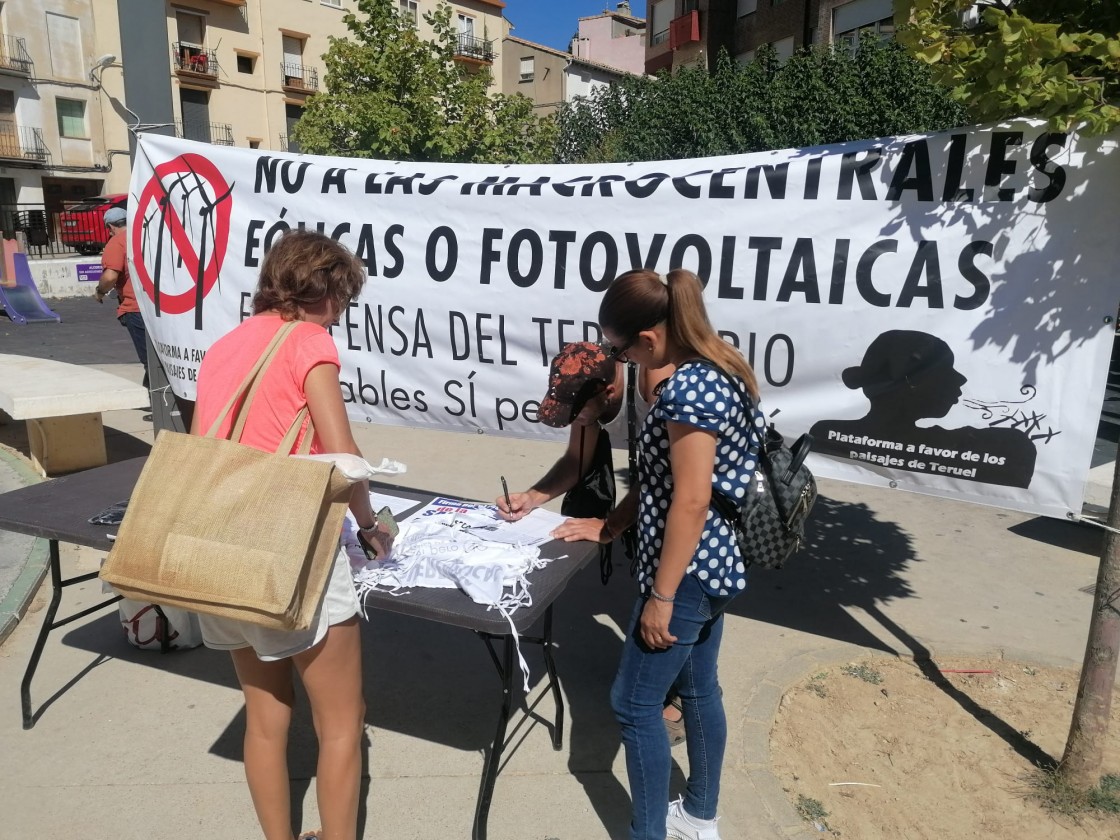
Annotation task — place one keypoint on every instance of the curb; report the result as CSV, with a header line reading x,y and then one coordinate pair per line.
x,y
14,604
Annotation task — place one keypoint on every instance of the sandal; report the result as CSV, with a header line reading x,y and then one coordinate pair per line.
x,y
675,728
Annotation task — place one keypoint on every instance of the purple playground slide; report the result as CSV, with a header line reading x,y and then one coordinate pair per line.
x,y
22,301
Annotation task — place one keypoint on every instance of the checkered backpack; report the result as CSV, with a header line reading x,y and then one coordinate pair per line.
x,y
769,523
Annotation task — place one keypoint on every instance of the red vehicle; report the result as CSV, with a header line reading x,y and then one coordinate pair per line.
x,y
82,227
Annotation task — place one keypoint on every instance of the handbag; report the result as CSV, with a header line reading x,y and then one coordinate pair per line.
x,y
769,523
147,629
224,529
593,495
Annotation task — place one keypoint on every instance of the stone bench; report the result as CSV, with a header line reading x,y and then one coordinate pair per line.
x,y
62,404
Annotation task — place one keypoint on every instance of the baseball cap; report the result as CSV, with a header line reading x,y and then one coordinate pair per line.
x,y
579,371
115,216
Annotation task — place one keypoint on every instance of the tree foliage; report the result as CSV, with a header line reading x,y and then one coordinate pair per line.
x,y
1042,58
391,94
823,95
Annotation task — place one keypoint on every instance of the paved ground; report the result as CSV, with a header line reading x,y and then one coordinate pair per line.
x,y
132,744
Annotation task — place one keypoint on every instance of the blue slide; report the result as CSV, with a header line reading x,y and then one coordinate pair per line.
x,y
22,301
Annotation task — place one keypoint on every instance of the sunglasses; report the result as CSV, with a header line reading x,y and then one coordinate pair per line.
x,y
615,353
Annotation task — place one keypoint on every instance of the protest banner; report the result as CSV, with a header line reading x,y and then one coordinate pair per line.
x,y
938,310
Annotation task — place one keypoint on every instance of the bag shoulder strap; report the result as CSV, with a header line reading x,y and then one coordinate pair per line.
x,y
248,389
725,506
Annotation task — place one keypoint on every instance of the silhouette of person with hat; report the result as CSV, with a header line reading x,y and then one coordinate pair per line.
x,y
909,376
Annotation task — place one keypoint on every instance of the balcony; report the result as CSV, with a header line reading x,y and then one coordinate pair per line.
x,y
13,56
220,134
288,144
22,143
299,78
684,30
474,49
193,60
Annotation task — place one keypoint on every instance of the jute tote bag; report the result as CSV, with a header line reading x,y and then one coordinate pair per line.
x,y
216,527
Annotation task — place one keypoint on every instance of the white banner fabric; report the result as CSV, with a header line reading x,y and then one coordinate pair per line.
x,y
938,310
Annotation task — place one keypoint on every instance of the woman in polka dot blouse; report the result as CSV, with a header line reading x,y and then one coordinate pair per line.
x,y
698,435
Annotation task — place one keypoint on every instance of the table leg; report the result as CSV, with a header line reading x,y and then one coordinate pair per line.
x,y
49,624
553,681
506,668
494,755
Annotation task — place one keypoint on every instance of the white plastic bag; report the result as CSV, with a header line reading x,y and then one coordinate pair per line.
x,y
145,629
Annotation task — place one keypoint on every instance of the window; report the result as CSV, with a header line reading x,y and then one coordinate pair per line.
x,y
254,144
194,106
880,30
64,38
745,58
784,49
334,4
745,7
859,13
411,10
292,113
690,6
245,63
660,16
527,68
192,28
466,25
71,118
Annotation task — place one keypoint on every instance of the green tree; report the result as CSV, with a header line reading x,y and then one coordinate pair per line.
x,y
818,96
391,94
1059,61
1039,58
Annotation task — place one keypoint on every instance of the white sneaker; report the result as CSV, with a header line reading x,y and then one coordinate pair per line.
x,y
680,826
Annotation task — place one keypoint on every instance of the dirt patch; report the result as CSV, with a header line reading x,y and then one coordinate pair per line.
x,y
936,759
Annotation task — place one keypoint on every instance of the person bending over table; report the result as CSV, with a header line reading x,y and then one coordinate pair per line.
x,y
308,278
697,436
586,391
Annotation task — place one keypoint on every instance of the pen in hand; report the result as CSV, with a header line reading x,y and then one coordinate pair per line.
x,y
505,492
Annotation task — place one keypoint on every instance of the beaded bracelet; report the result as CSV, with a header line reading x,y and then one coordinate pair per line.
x,y
665,599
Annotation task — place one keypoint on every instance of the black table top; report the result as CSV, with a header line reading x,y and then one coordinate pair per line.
x,y
58,509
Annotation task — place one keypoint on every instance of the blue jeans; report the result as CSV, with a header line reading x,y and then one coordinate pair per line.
x,y
638,694
132,322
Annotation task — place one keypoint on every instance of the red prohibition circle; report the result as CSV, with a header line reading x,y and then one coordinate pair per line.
x,y
154,190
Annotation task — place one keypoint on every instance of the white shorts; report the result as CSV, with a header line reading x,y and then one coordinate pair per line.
x,y
339,603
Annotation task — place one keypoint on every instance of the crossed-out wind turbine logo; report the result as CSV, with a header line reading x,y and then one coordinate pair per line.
x,y
180,233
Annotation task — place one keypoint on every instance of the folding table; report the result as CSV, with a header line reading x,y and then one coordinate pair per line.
x,y
58,510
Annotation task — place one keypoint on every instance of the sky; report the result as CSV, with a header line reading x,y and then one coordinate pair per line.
x,y
554,22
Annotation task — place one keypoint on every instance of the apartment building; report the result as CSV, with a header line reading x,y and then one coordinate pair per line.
x,y
551,77
53,145
688,32
479,25
78,77
614,39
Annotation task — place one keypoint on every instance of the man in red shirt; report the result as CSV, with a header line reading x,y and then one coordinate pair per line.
x,y
114,275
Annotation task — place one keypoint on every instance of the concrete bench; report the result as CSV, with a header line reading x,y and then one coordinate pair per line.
x,y
62,404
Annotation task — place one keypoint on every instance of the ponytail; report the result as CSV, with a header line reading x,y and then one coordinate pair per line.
x,y
690,329
640,299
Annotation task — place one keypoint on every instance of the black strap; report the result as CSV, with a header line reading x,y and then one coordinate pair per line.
x,y
630,535
725,506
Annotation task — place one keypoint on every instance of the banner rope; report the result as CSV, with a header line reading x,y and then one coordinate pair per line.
x,y
1088,520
